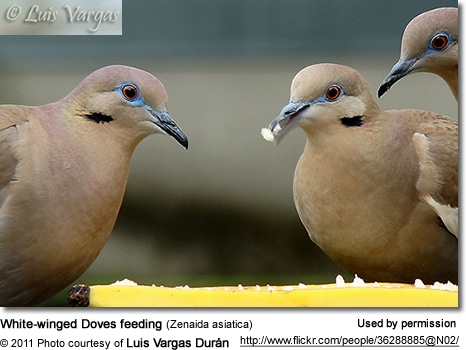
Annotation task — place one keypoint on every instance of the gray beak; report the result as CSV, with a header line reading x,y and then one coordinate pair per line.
x,y
285,121
167,124
399,70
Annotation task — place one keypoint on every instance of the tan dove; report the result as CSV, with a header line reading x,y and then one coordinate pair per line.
x,y
364,181
63,173
429,44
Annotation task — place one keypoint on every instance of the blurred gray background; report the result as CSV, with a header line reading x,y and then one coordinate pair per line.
x,y
221,212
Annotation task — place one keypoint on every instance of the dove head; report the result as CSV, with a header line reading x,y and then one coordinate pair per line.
x,y
429,44
131,98
432,35
326,96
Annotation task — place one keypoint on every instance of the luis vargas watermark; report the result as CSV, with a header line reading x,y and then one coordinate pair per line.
x,y
72,14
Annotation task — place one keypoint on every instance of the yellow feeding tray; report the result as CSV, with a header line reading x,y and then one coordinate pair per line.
x,y
340,294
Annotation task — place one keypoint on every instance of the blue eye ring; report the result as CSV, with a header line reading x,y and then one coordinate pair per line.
x,y
333,92
130,92
439,41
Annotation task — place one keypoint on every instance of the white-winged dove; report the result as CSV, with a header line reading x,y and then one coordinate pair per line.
x,y
365,183
429,44
63,173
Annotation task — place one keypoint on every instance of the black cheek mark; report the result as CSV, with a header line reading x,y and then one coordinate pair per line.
x,y
99,118
352,121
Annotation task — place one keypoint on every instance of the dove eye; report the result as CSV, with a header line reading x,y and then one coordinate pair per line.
x,y
130,92
439,41
333,92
